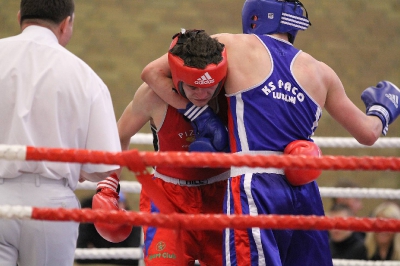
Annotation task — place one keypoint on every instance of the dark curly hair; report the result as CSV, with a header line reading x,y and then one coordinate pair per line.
x,y
197,49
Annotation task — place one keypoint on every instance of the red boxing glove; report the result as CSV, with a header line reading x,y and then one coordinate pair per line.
x,y
106,198
298,177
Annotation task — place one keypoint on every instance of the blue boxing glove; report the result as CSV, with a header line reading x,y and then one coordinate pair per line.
x,y
382,101
202,145
208,129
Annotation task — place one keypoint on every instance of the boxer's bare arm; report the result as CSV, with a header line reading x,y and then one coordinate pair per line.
x,y
365,129
145,106
157,75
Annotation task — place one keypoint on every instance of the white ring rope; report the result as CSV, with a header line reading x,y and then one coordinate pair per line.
x,y
330,142
376,193
125,186
136,253
142,138
327,192
341,262
323,142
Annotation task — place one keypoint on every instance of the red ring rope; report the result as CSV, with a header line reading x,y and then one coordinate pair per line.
x,y
137,161
218,221
131,159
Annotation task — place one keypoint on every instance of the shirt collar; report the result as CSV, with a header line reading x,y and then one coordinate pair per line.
x,y
40,33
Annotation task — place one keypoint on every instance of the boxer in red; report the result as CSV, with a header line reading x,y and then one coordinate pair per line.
x,y
190,190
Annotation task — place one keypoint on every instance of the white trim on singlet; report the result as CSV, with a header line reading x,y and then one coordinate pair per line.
x,y
255,231
193,183
228,230
236,171
241,129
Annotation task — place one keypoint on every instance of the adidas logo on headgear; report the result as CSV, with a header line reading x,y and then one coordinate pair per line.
x,y
205,79
393,98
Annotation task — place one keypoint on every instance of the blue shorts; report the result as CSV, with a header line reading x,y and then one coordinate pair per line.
x,y
264,193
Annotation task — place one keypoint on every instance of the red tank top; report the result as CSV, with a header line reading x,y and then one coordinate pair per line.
x,y
176,134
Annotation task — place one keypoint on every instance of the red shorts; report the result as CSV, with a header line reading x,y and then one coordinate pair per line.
x,y
160,244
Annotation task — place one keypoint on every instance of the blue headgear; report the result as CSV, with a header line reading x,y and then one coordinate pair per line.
x,y
274,16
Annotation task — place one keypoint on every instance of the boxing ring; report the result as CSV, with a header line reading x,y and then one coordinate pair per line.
x,y
208,221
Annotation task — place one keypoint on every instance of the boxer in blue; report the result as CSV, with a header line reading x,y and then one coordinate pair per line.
x,y
276,94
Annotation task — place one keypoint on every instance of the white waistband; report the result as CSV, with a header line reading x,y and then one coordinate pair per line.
x,y
193,183
235,171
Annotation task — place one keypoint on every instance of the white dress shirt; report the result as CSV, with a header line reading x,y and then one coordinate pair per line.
x,y
51,98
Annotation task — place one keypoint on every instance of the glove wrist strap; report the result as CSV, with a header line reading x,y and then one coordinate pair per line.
x,y
192,111
111,182
383,115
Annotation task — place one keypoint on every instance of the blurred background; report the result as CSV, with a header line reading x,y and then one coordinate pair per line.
x,y
359,39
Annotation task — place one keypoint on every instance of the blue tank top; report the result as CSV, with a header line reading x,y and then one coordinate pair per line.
x,y
275,112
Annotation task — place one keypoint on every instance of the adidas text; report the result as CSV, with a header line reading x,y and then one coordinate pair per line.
x,y
204,79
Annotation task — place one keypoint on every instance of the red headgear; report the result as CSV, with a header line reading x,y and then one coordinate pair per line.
x,y
201,78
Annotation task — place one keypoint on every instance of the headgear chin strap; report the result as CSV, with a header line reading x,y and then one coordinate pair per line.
x,y
211,75
274,16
